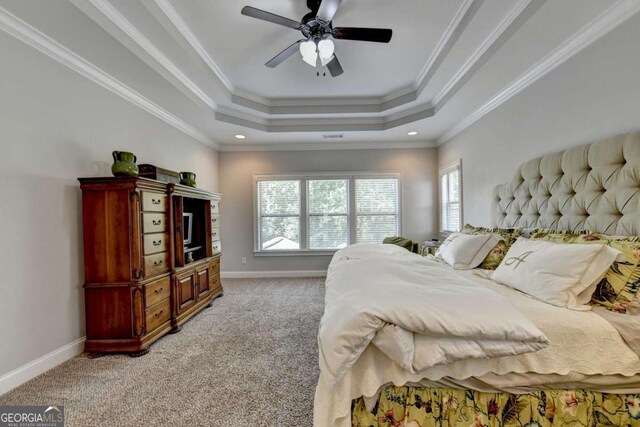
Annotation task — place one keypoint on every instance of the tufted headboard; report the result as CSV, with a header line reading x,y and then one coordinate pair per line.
x,y
591,187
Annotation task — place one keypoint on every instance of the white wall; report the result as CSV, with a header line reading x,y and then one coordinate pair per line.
x,y
419,189
593,95
56,126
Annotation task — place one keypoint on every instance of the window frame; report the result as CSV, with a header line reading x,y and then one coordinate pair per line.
x,y
304,203
446,170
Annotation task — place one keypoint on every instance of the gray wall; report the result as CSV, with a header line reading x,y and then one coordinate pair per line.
x,y
56,126
593,95
419,190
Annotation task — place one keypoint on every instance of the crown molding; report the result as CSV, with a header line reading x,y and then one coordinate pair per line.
x,y
318,106
611,18
339,124
134,34
310,106
482,50
319,146
456,27
176,20
27,34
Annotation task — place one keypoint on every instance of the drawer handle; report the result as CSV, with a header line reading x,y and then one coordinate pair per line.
x,y
157,291
157,263
155,201
157,242
156,222
214,220
158,314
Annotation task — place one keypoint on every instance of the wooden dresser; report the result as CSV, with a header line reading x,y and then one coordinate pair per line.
x,y
143,276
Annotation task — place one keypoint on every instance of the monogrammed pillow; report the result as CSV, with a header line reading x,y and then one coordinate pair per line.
x,y
466,251
555,273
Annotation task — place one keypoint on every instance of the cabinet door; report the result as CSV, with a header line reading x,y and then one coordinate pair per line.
x,y
203,281
186,290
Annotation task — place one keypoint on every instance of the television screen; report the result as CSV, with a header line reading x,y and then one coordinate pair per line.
x,y
187,226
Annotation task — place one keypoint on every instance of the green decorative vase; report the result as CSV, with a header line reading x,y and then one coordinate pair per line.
x,y
124,164
188,178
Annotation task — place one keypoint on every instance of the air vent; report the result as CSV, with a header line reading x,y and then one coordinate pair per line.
x,y
333,136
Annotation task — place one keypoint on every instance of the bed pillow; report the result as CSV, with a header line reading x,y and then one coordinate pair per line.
x,y
465,251
619,287
555,273
506,235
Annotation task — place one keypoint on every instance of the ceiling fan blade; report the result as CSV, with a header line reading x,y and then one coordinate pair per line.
x,y
270,17
378,35
280,58
335,69
328,9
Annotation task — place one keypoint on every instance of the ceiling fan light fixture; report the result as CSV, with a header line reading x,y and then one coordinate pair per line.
x,y
310,59
325,61
326,48
308,48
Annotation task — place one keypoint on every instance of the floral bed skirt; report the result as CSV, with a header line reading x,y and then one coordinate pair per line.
x,y
448,407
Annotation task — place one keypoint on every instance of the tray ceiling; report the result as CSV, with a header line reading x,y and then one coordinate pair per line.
x,y
199,65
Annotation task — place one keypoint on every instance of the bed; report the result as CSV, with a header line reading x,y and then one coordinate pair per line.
x,y
406,363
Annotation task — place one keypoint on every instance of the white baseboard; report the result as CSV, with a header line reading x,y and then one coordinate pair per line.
x,y
271,274
42,364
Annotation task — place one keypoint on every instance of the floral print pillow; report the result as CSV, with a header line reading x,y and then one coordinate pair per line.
x,y
618,289
495,257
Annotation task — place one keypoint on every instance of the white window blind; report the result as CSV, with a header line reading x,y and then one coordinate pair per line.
x,y
376,209
328,213
450,198
324,212
279,214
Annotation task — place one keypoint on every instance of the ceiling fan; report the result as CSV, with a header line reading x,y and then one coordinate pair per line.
x,y
316,26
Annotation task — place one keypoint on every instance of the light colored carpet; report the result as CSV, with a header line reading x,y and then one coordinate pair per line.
x,y
250,360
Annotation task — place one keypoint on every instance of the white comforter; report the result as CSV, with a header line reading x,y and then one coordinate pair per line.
x,y
382,294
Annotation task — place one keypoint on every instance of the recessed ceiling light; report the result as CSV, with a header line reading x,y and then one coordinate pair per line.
x,y
412,133
240,137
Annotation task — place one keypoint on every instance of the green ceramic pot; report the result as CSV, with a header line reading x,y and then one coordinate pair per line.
x,y
188,178
124,164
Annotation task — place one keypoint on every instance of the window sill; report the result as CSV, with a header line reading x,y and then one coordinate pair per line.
x,y
326,252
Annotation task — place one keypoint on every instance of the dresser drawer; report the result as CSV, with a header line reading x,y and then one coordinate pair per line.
x,y
154,223
215,220
155,243
157,291
157,314
215,266
215,207
216,246
156,264
215,233
154,202
214,282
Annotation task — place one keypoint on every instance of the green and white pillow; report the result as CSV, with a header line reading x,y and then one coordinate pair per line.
x,y
556,273
507,237
620,285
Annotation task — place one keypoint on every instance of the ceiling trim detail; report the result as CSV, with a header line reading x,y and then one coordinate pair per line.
x,y
482,50
134,34
588,34
306,106
24,32
193,41
327,146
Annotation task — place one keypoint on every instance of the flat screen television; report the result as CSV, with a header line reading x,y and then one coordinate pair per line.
x,y
187,227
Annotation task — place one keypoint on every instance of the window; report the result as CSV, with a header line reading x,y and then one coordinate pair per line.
x,y
328,213
451,198
376,209
279,206
324,212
